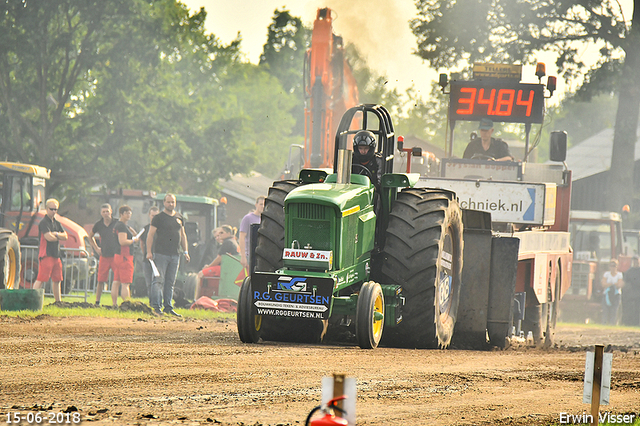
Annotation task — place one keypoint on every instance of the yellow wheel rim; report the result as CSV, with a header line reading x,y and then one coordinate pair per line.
x,y
257,322
378,307
10,269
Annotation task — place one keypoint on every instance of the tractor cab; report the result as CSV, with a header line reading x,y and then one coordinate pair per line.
x,y
337,213
371,118
21,193
22,203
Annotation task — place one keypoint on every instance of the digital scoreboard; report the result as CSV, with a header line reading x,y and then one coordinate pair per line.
x,y
501,100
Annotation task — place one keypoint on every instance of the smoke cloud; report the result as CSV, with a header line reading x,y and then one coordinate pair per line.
x,y
380,30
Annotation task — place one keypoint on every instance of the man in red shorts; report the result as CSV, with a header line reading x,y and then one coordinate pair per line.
x,y
107,249
50,265
123,259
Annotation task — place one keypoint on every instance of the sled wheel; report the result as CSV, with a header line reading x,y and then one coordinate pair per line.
x,y
540,319
370,315
9,260
423,254
249,323
551,311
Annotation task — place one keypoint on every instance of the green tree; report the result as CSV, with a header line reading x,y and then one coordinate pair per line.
x,y
424,119
46,50
585,118
283,56
264,108
284,51
130,93
451,34
373,88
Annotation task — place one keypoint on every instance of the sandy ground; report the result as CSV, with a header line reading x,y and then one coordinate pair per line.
x,y
175,371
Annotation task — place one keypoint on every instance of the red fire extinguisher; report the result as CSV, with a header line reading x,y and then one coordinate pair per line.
x,y
329,418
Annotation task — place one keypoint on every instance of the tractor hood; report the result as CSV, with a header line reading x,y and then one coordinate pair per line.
x,y
346,198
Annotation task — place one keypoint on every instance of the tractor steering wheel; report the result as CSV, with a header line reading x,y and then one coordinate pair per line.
x,y
364,169
483,157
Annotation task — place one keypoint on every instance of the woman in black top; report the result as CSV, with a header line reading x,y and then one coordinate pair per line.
x,y
226,235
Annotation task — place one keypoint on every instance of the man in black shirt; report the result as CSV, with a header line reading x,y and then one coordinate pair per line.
x,y
166,236
107,248
50,265
485,147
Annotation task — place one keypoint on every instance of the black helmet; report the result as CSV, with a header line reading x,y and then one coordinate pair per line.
x,y
364,138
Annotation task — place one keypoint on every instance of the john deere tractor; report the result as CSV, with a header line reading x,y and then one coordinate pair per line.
x,y
336,252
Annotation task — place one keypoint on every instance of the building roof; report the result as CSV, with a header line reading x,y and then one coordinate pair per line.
x,y
411,141
28,169
593,155
246,187
196,199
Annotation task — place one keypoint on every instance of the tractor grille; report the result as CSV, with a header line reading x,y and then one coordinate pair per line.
x,y
311,211
315,234
311,225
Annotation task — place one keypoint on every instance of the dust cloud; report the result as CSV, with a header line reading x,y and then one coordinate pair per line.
x,y
380,30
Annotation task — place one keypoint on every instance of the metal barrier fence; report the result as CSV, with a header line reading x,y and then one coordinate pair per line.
x,y
78,271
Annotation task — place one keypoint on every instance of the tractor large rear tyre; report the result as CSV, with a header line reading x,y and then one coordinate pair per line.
x,y
423,254
271,232
269,249
9,260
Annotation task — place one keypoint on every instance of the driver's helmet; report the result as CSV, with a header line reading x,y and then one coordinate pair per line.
x,y
364,138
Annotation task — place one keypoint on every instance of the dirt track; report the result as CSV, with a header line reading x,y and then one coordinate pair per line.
x,y
168,371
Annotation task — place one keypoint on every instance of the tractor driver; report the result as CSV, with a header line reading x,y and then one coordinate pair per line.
x,y
485,147
365,159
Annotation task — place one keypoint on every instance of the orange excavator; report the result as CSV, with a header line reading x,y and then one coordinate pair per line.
x,y
329,89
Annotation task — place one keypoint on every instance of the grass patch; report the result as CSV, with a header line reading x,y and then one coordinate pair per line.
x,y
105,310
596,326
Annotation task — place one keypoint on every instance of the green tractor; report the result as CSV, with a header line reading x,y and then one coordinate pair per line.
x,y
337,254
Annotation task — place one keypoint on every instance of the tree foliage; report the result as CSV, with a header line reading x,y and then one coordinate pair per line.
x,y
283,57
131,93
284,51
373,88
455,34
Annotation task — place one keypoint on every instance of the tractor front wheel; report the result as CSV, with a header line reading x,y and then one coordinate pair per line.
x,y
249,322
370,315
